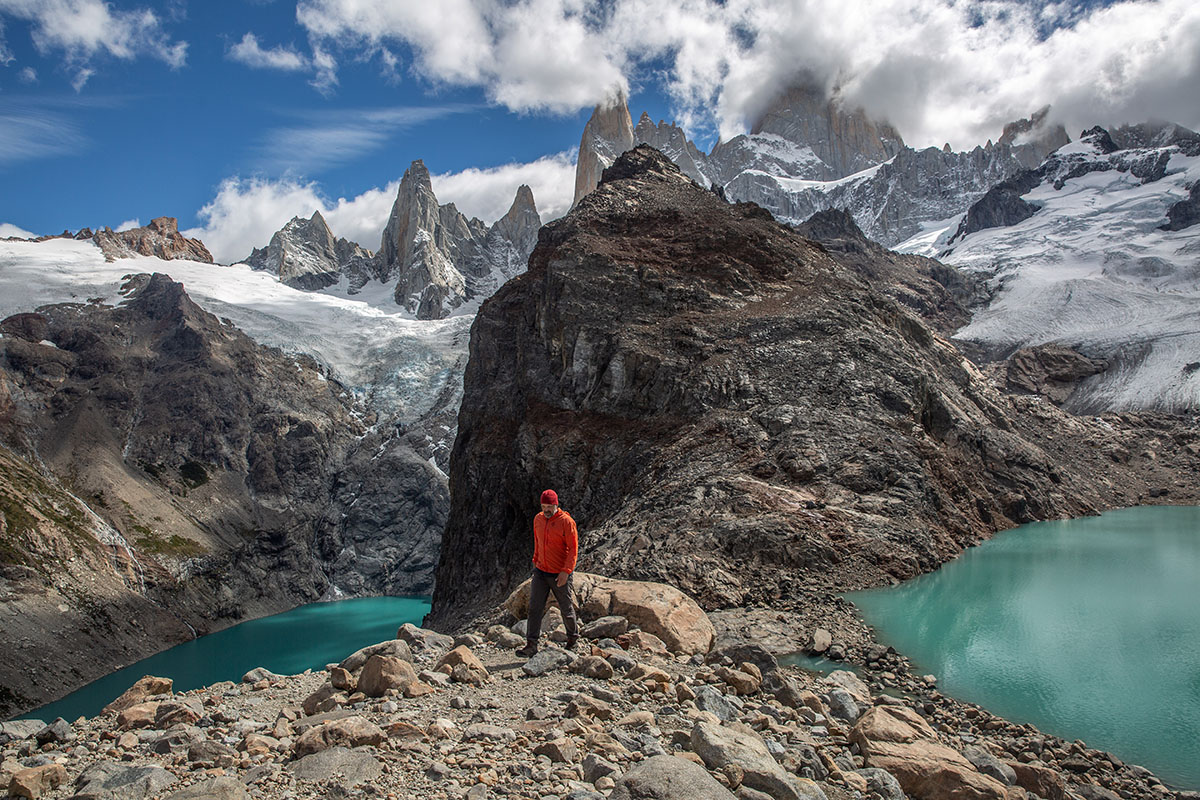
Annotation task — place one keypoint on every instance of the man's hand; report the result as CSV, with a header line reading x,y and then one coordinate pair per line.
x,y
562,578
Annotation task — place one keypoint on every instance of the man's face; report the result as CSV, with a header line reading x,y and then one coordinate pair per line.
x,y
549,510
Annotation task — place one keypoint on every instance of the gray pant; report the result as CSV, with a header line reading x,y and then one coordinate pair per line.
x,y
540,586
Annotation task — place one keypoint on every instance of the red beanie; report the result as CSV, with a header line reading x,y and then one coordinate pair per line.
x,y
549,498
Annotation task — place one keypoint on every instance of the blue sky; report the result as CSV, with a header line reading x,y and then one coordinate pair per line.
x,y
233,115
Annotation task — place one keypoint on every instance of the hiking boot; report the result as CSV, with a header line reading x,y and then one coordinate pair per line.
x,y
572,641
527,651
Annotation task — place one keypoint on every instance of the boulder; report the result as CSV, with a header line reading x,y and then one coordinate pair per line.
x,y
721,745
325,698
57,732
146,686
656,608
547,660
395,648
381,673
223,788
593,667
37,781
490,733
260,674
138,716
1039,780
989,765
605,628
108,780
423,638
347,767
742,682
561,750
669,778
210,753
584,706
175,713
845,679
821,640
643,640
711,700
466,663
349,732
896,739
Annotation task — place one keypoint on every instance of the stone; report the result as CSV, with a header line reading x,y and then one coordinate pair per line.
x,y
482,731
1040,780
658,609
37,781
720,745
584,706
212,753
472,669
256,744
57,732
636,719
140,715
260,674
113,781
821,640
842,705
348,767
989,765
881,783
595,767
845,679
562,750
742,682
352,731
395,648
144,687
593,667
897,740
711,700
547,660
222,788
381,673
648,673
179,738
643,640
323,699
21,728
605,627
342,680
177,713
669,778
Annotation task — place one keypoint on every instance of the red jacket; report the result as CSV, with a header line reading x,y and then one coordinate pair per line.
x,y
555,542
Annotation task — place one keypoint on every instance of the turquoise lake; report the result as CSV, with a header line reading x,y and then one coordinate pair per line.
x,y
1087,628
308,637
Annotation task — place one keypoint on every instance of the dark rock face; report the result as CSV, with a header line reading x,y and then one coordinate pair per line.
x,y
1185,213
939,294
160,470
1050,370
1002,206
724,406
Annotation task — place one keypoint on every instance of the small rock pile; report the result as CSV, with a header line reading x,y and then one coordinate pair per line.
x,y
622,717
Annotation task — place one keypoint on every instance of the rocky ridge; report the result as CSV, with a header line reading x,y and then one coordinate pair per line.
x,y
432,716
161,239
305,255
807,153
728,407
162,475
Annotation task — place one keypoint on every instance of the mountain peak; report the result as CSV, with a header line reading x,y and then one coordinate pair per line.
x,y
607,134
641,160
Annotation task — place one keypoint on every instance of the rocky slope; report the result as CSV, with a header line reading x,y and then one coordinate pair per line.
x,y
161,239
808,153
162,474
305,255
725,406
622,719
1091,252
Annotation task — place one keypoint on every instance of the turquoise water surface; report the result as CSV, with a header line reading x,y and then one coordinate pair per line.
x,y
308,637
1087,628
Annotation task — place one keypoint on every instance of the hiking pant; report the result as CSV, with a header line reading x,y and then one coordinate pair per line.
x,y
540,586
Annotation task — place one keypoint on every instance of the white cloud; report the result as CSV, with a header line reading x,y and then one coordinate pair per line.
x,y
249,52
246,212
7,229
83,30
28,132
337,138
940,70
488,193
28,75
129,224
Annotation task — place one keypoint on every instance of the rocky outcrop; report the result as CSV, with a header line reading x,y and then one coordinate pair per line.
x,y
305,255
1186,212
161,239
1002,206
438,259
1052,371
163,475
725,407
607,134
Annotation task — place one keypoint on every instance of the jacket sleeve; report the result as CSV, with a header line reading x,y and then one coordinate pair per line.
x,y
570,546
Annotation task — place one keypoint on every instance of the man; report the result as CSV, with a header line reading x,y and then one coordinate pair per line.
x,y
555,549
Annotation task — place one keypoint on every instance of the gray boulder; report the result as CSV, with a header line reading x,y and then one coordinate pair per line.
x,y
547,660
605,627
349,767
109,780
710,699
224,788
841,705
669,778
882,784
989,765
721,745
